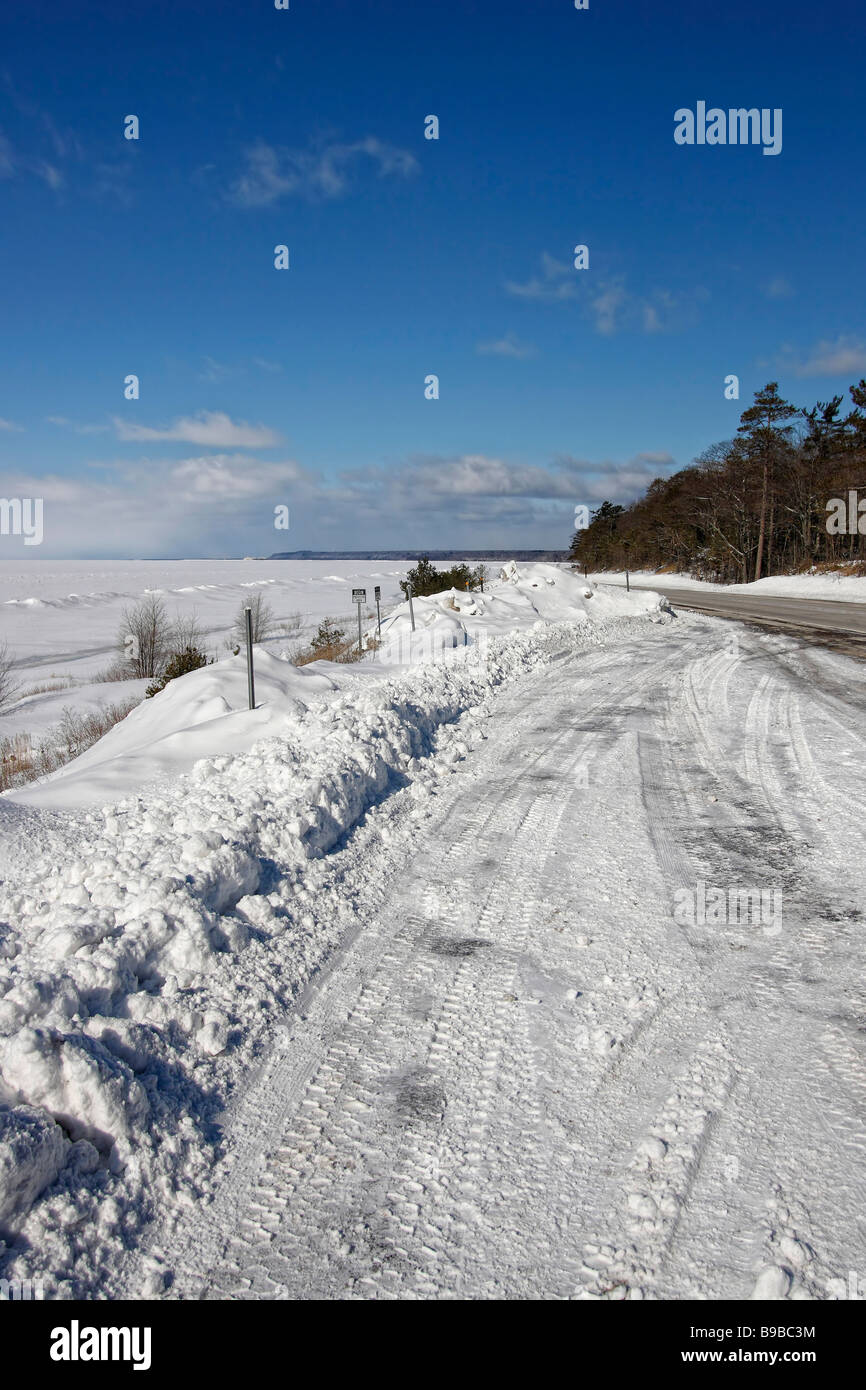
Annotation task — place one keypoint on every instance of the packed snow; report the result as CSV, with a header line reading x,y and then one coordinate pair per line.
x,y
382,990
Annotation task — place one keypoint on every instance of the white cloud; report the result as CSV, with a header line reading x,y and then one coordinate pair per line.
x,y
508,346
273,172
211,428
9,425
844,357
229,477
224,503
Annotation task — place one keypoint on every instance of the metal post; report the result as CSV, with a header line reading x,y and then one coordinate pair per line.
x,y
411,609
378,594
627,589
251,680
359,630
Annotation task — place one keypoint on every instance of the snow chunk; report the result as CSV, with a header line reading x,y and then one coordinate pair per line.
x,y
33,1149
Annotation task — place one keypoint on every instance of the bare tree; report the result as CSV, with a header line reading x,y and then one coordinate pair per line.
x,y
144,636
185,634
263,621
9,686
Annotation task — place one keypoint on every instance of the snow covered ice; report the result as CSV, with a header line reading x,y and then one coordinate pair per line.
x,y
376,991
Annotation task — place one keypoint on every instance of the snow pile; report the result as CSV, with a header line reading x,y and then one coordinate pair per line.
x,y
143,943
205,713
522,596
197,715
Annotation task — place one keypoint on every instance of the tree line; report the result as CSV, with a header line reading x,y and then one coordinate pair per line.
x,y
772,500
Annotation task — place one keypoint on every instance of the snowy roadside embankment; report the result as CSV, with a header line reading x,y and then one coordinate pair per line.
x,y
833,584
146,946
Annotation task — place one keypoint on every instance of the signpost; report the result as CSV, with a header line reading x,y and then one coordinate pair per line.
x,y
251,680
411,609
377,594
359,596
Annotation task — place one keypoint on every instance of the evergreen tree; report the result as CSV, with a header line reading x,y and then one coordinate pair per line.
x,y
764,433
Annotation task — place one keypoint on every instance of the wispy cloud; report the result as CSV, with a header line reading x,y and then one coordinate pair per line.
x,y
217,371
508,346
15,163
778,288
607,301
846,356
55,154
220,371
10,426
557,281
73,425
211,428
324,171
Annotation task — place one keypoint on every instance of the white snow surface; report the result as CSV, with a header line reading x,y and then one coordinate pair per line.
x,y
379,991
206,714
146,884
61,619
833,584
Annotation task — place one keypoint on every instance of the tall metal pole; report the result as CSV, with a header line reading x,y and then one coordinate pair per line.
x,y
378,592
359,629
411,609
251,680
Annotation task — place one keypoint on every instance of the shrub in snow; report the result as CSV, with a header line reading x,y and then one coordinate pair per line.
x,y
180,664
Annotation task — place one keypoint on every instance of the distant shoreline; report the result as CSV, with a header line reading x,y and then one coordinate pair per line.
x,y
540,555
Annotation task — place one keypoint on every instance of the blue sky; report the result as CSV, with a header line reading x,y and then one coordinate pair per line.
x,y
408,257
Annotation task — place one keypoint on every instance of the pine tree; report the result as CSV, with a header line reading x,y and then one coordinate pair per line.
x,y
765,433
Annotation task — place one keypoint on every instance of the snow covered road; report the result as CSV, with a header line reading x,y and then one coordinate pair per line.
x,y
546,1062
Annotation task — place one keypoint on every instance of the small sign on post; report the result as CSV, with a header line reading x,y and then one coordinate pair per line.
x,y
359,596
377,594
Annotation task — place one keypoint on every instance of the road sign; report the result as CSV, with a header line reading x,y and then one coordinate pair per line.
x,y
359,596
377,593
